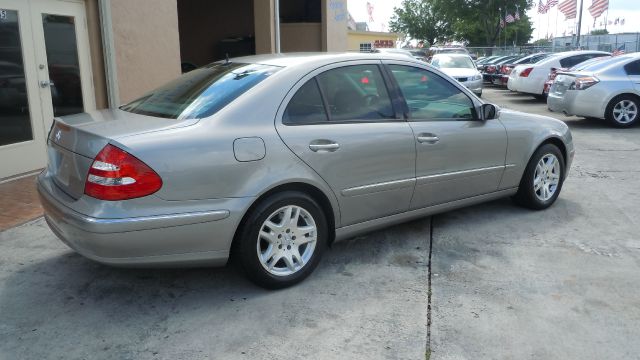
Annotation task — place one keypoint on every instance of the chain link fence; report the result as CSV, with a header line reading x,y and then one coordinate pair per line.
x,y
629,42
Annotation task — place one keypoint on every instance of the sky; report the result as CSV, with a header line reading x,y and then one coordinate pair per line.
x,y
544,25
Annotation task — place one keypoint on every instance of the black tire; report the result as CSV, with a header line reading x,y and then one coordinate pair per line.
x,y
247,240
540,97
526,195
609,113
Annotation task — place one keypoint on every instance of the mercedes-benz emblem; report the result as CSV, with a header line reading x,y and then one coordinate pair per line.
x,y
58,135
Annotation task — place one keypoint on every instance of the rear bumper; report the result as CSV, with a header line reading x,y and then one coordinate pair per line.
x,y
576,102
525,85
175,239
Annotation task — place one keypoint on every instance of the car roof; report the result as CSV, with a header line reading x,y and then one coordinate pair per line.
x,y
451,55
296,59
578,52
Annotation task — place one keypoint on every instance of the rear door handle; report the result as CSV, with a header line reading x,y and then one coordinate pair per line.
x,y
323,146
428,139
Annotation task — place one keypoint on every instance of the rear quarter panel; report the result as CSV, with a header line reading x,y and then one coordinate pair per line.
x,y
198,162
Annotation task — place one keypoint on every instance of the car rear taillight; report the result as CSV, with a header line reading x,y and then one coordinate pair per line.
x,y
491,69
117,175
526,72
583,83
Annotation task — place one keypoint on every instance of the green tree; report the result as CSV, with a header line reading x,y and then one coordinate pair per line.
x,y
419,20
599,32
477,22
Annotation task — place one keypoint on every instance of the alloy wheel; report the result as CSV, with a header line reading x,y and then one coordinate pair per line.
x,y
287,240
625,111
546,178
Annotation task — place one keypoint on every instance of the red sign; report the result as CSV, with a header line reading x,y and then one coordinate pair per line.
x,y
384,44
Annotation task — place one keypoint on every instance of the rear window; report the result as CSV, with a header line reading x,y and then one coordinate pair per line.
x,y
201,92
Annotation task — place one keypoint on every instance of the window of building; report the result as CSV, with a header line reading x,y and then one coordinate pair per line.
x,y
431,97
366,47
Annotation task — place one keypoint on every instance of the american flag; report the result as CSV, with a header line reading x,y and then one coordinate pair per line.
x,y
598,7
619,50
509,19
569,8
542,8
552,3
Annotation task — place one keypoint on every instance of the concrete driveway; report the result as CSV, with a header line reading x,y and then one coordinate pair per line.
x,y
367,299
506,283
509,283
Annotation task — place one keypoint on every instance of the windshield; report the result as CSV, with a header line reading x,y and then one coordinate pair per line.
x,y
201,92
444,61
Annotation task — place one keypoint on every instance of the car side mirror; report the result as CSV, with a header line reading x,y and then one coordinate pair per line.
x,y
489,111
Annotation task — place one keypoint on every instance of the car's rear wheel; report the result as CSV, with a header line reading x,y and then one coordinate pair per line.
x,y
622,111
541,97
542,180
282,240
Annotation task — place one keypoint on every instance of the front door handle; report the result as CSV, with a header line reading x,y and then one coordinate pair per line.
x,y
323,146
428,138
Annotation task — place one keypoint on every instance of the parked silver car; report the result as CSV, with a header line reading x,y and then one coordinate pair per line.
x,y
461,68
607,89
272,158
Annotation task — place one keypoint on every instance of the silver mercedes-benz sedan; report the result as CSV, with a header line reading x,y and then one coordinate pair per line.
x,y
270,159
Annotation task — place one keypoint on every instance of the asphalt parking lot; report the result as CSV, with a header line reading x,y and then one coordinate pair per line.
x,y
506,283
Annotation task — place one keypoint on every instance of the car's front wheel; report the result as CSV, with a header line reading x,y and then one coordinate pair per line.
x,y
542,180
622,111
282,240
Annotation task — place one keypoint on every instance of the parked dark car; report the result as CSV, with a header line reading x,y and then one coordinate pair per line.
x,y
506,69
489,69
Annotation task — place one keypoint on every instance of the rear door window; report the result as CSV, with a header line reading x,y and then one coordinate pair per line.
x,y
201,92
306,106
356,93
633,68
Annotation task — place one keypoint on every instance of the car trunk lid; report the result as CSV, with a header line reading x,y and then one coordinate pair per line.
x,y
563,81
75,140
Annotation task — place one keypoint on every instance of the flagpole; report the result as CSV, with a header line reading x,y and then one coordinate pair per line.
x,y
579,25
505,28
517,12
555,31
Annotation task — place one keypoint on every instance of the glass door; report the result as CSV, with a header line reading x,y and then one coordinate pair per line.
x,y
45,71
63,58
21,130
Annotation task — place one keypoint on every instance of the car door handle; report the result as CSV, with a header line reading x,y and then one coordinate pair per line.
x,y
324,146
428,139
